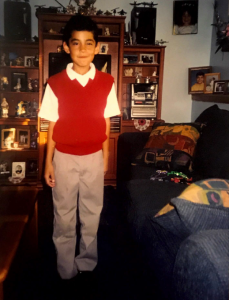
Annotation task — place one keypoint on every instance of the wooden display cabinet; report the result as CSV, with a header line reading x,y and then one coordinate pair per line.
x,y
24,125
152,67
50,27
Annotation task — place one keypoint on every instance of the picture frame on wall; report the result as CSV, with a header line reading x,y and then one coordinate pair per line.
x,y
185,17
23,138
209,79
219,86
7,138
19,82
196,79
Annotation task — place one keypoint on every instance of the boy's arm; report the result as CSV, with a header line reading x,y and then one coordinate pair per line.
x,y
106,146
49,172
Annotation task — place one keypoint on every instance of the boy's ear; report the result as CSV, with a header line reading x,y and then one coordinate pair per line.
x,y
66,48
97,48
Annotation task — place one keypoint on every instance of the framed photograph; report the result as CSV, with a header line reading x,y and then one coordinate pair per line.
x,y
23,138
28,61
219,86
185,17
4,167
103,49
147,58
130,59
196,79
18,169
7,138
226,90
31,167
19,82
209,79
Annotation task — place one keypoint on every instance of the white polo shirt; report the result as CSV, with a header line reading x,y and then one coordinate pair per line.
x,y
49,106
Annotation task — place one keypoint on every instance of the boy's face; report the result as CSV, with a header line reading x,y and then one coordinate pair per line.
x,y
82,49
200,79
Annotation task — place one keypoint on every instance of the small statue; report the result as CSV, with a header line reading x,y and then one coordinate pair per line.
x,y
5,108
19,61
107,31
154,73
30,88
4,83
3,60
18,85
128,72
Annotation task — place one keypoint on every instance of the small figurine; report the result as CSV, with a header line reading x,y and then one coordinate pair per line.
x,y
107,31
154,73
107,13
4,83
99,12
160,42
18,85
128,72
19,61
30,88
3,60
71,9
122,12
5,108
114,10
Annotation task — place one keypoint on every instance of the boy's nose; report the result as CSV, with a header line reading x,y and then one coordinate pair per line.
x,y
82,47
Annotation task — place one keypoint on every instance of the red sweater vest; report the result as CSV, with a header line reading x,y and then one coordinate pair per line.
x,y
81,127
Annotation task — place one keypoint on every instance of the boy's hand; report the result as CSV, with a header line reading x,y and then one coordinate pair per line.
x,y
49,175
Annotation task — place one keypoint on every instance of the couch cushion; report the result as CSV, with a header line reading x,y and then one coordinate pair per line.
x,y
211,158
170,146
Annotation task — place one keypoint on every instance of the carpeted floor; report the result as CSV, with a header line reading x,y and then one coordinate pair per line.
x,y
116,276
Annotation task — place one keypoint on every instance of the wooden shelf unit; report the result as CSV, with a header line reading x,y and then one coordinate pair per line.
x,y
216,98
147,71
22,49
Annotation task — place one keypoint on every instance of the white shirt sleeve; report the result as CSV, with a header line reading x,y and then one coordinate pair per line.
x,y
49,106
112,108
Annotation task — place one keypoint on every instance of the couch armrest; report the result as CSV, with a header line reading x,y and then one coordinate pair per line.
x,y
129,145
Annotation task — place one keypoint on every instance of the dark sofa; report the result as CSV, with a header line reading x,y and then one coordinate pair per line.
x,y
166,248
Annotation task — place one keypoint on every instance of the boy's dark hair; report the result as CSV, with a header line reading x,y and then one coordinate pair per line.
x,y
80,23
200,73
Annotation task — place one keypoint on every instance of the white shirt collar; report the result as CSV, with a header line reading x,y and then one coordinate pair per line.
x,y
83,79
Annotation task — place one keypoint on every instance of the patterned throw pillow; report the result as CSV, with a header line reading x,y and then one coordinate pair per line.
x,y
171,146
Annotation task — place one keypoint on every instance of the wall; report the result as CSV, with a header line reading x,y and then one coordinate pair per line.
x,y
182,52
218,61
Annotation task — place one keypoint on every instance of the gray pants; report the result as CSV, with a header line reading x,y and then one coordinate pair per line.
x,y
73,174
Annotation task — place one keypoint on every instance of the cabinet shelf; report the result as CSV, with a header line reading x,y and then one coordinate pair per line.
x,y
18,67
19,150
18,93
141,65
26,181
59,36
18,121
141,76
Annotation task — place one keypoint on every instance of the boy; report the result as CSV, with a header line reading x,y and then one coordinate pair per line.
x,y
78,102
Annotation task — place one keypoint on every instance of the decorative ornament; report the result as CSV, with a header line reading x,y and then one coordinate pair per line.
x,y
71,9
5,108
141,124
222,31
